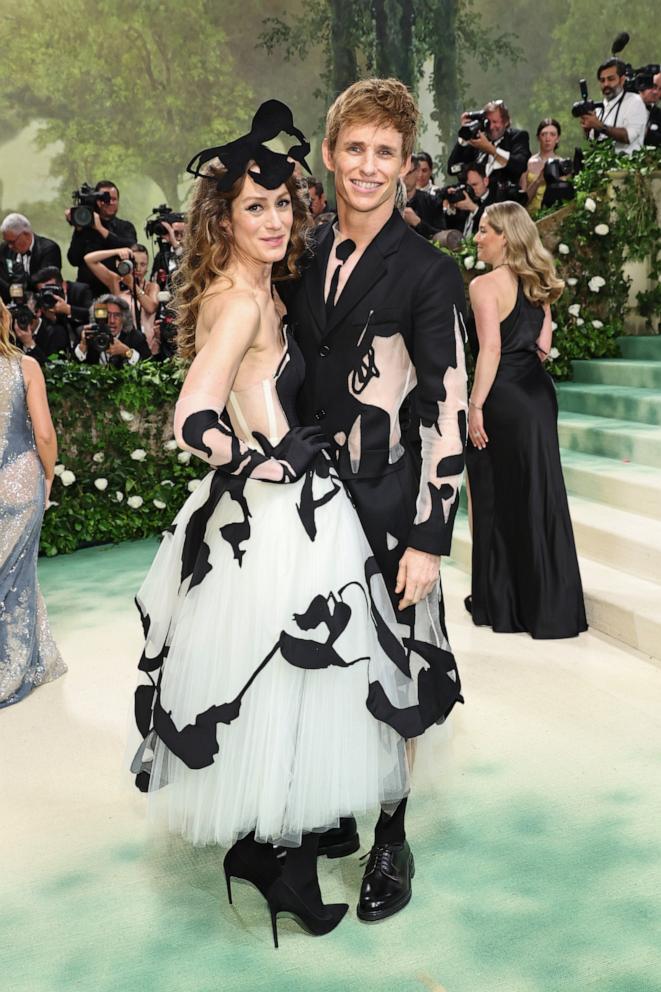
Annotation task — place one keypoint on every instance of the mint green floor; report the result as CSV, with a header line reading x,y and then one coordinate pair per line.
x,y
538,850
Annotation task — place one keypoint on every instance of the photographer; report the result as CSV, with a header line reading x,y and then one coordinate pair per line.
x,y
71,300
650,91
37,337
110,338
107,231
532,181
465,214
130,284
425,173
622,117
502,149
423,211
20,245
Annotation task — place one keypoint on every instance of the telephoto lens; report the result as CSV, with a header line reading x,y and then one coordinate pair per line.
x,y
124,266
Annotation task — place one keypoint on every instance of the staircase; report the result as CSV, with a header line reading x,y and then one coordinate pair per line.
x,y
610,440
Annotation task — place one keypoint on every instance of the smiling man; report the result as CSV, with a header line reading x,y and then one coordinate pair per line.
x,y
378,314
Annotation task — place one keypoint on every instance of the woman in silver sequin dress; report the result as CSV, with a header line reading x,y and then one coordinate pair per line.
x,y
28,448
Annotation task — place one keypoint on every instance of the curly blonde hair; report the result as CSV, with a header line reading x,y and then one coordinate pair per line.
x,y
7,349
524,252
382,102
208,249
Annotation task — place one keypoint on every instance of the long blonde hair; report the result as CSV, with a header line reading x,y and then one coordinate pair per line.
x,y
208,249
524,252
7,349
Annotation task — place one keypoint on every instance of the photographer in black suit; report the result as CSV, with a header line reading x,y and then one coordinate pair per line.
x,y
20,244
423,211
69,302
37,337
504,150
107,231
464,215
124,345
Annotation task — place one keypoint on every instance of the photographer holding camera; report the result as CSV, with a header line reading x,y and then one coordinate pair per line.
x,y
128,281
110,338
36,336
20,246
101,228
621,117
62,303
487,138
465,204
423,211
168,229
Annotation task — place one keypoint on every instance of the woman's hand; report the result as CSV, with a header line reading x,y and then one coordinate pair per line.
x,y
476,431
124,253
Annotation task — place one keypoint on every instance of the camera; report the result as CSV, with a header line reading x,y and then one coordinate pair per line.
x,y
124,266
21,315
557,176
585,105
556,169
642,78
98,334
479,123
167,317
85,201
48,295
454,194
154,226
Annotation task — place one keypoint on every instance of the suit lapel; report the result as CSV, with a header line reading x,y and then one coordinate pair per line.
x,y
315,275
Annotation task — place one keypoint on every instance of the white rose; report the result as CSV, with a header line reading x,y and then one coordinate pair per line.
x,y
159,504
602,230
554,353
67,478
171,445
554,326
596,283
183,457
58,470
574,309
469,262
563,248
135,502
139,455
119,497
579,321
126,416
571,281
480,264
590,205
167,482
98,457
597,323
101,484
193,484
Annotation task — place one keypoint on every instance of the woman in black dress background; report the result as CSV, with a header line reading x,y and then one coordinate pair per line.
x,y
525,570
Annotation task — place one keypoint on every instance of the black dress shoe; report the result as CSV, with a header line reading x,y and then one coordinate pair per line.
x,y
468,603
340,841
386,884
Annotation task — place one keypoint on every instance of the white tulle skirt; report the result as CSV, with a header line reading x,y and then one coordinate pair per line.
x,y
302,749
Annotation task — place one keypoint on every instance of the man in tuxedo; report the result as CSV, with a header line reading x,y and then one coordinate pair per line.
x,y
377,312
71,302
502,149
465,215
107,231
423,211
20,245
127,347
38,338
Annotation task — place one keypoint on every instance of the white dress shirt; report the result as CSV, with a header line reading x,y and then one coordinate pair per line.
x,y
627,110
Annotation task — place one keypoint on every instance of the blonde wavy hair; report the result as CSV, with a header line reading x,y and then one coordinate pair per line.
x,y
7,349
524,252
209,246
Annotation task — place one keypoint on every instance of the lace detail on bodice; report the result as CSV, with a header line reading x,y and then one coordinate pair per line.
x,y
16,435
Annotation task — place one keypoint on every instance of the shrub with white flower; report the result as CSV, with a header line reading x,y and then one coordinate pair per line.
x,y
563,249
596,283
571,281
139,455
159,504
480,264
58,470
135,502
469,261
170,445
554,326
101,484
119,497
590,205
126,416
193,485
574,309
167,482
98,457
579,321
554,353
184,457
67,478
602,230
597,324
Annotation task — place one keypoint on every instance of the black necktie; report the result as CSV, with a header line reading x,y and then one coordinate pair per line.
x,y
342,252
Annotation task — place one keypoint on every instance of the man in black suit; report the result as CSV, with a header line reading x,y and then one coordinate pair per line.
x,y
127,347
423,211
39,339
107,231
504,150
379,311
465,215
71,302
21,245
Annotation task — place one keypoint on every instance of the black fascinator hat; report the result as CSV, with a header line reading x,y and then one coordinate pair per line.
x,y
274,167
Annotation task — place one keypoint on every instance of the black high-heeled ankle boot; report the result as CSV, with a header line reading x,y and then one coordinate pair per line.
x,y
252,862
297,892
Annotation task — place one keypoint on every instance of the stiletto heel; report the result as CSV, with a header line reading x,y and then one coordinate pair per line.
x,y
316,920
274,926
252,862
228,883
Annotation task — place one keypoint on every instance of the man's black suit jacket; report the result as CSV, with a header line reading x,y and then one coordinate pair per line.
x,y
430,212
457,221
132,339
44,252
514,141
121,235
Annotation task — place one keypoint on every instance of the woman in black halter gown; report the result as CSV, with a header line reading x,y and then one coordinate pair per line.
x,y
525,574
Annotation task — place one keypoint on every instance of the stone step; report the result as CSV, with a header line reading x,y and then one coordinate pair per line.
x,y
641,347
611,438
617,538
621,402
622,606
625,485
618,372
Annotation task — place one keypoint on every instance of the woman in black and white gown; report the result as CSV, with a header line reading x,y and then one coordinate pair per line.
x,y
269,631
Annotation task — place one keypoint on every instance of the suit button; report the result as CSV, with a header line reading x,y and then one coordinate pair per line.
x,y
324,350
319,414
